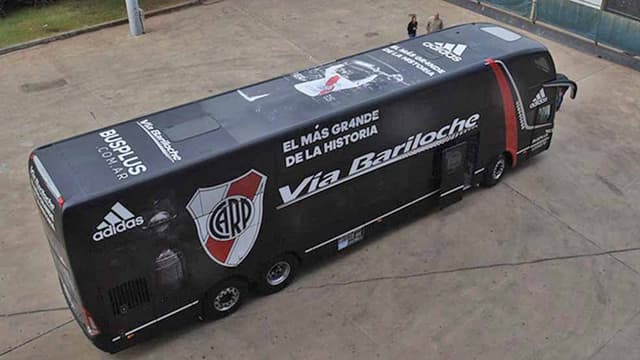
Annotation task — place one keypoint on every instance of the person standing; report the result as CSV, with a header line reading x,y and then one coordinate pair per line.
x,y
412,27
434,23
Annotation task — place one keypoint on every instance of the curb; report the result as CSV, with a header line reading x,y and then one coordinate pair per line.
x,y
548,32
92,28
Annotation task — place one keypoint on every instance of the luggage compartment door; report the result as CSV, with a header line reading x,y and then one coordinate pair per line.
x,y
453,168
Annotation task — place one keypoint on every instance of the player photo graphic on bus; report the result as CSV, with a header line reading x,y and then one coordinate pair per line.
x,y
228,217
347,75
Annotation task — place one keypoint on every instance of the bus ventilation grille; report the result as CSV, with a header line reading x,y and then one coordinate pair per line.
x,y
128,296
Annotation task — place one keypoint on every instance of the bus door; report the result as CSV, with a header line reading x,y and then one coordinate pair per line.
x,y
453,170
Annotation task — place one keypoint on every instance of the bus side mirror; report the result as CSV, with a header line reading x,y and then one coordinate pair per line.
x,y
563,82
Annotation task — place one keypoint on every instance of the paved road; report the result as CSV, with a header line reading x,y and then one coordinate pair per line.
x,y
543,266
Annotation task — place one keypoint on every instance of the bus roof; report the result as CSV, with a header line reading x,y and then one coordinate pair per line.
x,y
206,128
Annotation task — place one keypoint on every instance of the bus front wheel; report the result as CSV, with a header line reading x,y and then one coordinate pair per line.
x,y
277,274
224,298
495,171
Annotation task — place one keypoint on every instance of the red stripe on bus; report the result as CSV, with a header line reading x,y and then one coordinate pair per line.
x,y
219,249
510,120
247,186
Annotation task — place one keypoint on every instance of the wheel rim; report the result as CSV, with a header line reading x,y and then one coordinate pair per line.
x,y
278,273
226,298
498,170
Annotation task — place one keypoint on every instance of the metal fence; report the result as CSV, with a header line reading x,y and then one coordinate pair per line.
x,y
519,7
600,26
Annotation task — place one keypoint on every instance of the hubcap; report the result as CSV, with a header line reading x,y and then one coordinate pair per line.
x,y
278,273
226,298
498,170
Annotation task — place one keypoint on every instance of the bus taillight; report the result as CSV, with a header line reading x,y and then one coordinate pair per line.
x,y
90,325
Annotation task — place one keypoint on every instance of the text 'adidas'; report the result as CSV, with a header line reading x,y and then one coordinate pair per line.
x,y
118,220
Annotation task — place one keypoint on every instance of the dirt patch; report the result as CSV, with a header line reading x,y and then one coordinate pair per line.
x,y
43,85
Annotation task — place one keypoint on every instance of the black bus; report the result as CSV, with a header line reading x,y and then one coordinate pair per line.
x,y
178,214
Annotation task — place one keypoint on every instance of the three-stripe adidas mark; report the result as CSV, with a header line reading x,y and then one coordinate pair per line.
x,y
541,98
451,51
118,220
457,49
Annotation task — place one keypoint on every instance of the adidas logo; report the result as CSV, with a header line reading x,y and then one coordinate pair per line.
x,y
118,220
540,99
451,51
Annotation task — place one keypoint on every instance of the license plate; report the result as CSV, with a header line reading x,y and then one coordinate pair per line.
x,y
350,238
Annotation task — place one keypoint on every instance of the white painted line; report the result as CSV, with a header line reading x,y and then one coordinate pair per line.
x,y
156,320
452,190
251,98
478,171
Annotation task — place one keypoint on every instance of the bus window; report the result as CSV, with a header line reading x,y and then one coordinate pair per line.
x,y
544,113
542,63
531,71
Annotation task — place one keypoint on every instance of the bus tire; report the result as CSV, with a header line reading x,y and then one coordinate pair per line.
x,y
224,298
277,274
495,171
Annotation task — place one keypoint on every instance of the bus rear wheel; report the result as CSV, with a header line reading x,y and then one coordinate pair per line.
x,y
224,298
277,274
495,171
